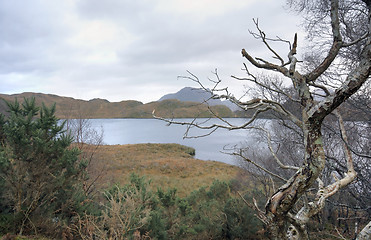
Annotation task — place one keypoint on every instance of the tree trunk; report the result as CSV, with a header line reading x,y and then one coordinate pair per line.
x,y
279,205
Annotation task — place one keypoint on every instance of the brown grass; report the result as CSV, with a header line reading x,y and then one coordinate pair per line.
x,y
167,165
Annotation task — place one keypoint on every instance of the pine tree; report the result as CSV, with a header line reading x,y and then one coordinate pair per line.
x,y
39,170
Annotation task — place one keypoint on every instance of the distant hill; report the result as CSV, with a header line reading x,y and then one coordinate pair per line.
x,y
67,107
189,94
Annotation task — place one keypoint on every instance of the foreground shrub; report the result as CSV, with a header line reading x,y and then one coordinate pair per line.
x,y
135,212
40,172
126,211
207,213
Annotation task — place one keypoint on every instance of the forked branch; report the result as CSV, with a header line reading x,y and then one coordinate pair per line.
x,y
324,192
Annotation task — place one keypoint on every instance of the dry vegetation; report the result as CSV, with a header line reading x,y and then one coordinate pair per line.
x,y
167,165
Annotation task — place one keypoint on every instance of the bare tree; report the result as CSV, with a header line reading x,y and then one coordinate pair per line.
x,y
319,93
347,210
88,140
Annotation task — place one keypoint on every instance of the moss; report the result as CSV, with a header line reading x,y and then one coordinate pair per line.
x,y
318,141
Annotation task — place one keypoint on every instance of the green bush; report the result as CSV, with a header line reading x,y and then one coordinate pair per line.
x,y
157,226
167,198
240,221
207,213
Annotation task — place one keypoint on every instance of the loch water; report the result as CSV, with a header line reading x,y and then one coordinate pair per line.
x,y
212,147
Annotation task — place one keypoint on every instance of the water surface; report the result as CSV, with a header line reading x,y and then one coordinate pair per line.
x,y
133,131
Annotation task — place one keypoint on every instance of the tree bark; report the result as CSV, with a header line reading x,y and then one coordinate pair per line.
x,y
365,234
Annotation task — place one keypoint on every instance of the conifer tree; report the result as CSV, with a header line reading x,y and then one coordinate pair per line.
x,y
39,170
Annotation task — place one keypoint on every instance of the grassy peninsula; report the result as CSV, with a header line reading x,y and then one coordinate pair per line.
x,y
167,165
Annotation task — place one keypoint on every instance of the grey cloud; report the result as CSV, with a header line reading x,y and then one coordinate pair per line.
x,y
164,37
35,42
30,32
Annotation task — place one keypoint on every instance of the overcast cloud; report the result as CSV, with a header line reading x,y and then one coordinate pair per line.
x,y
126,49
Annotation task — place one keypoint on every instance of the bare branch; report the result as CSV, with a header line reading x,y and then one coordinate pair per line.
x,y
354,81
255,80
320,87
351,173
283,166
240,154
355,41
254,206
213,127
341,236
262,36
292,58
336,44
265,64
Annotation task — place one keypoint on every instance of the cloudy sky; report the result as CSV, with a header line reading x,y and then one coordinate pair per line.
x,y
130,49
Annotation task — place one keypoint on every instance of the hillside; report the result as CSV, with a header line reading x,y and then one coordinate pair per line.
x,y
67,107
189,94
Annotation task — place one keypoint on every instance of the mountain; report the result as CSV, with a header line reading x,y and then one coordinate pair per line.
x,y
67,107
189,94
